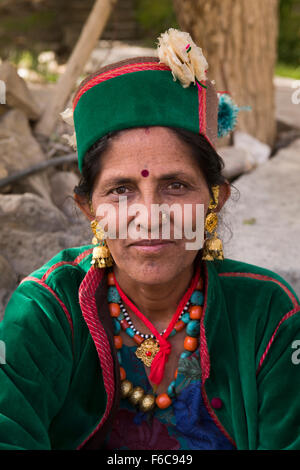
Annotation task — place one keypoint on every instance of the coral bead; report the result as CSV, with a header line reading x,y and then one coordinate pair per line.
x,y
195,312
122,373
190,343
138,339
110,279
124,324
179,325
176,373
199,285
163,401
118,342
114,309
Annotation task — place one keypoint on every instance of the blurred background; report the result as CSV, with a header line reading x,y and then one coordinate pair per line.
x,y
47,47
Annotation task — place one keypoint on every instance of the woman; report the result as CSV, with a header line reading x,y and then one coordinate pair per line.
x,y
137,342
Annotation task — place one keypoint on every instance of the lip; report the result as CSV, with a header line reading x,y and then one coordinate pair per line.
x,y
151,246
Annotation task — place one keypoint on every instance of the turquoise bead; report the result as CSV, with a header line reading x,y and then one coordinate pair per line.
x,y
130,332
193,328
173,332
197,298
171,389
117,327
113,295
185,354
119,357
185,317
121,316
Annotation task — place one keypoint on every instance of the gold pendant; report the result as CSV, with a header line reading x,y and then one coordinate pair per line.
x,y
147,351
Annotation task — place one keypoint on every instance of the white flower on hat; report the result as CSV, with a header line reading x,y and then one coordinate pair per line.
x,y
67,116
186,60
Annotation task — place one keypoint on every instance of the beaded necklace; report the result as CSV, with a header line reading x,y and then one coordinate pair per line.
x,y
148,346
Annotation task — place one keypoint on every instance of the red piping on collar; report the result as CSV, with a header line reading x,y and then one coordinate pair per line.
x,y
262,277
72,263
88,306
66,311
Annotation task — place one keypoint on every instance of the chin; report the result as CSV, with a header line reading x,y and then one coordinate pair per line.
x,y
153,273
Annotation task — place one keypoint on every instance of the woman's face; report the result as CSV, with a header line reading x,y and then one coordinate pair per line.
x,y
172,176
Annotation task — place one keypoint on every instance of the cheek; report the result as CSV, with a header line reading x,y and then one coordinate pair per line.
x,y
195,212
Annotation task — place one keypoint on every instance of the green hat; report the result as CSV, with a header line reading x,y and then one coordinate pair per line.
x,y
171,91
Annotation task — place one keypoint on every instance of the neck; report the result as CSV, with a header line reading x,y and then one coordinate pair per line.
x,y
158,302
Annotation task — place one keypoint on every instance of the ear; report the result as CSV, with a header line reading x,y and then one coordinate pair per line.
x,y
83,203
224,194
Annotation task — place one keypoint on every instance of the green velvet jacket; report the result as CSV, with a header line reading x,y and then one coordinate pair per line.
x,y
59,387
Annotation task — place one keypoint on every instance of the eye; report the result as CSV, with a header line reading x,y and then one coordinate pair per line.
x,y
176,185
119,190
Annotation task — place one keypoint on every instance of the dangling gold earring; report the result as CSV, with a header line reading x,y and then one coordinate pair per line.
x,y
213,248
101,254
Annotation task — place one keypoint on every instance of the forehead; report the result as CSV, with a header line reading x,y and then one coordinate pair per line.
x,y
153,148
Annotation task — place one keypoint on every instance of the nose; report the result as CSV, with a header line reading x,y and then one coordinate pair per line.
x,y
147,220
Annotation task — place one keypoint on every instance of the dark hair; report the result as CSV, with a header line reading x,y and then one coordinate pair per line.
x,y
208,159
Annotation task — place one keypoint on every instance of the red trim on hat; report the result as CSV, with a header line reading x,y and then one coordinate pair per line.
x,y
125,69
202,112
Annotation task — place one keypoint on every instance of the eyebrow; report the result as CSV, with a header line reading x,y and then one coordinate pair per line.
x,y
122,180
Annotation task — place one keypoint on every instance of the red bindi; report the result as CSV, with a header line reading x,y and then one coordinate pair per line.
x,y
145,173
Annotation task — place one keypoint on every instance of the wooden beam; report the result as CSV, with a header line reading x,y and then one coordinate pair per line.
x,y
90,33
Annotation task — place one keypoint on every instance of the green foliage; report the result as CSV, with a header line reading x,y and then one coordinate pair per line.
x,y
154,17
289,32
29,60
23,24
286,70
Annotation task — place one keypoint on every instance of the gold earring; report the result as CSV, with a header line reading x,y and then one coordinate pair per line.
x,y
101,255
213,247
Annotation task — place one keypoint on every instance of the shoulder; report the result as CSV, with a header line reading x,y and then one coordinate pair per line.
x,y
69,267
261,304
251,279
53,287
70,258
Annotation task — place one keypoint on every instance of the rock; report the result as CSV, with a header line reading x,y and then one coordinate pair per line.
x,y
8,277
28,212
17,93
42,93
62,193
265,220
237,161
33,230
8,283
19,150
108,52
287,99
259,151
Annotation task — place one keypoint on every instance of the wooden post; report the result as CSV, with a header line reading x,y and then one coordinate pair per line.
x,y
90,33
